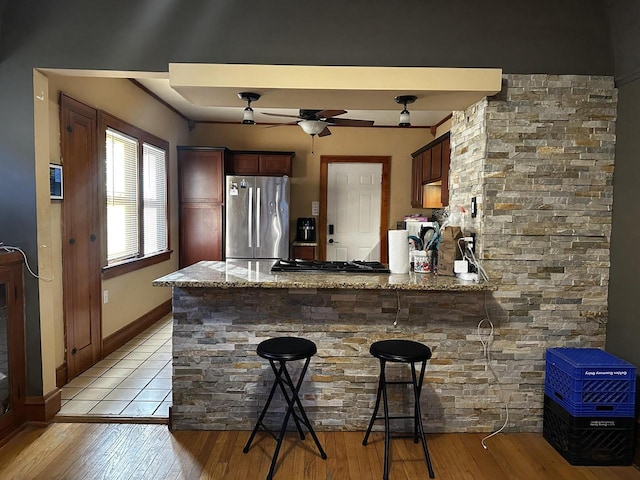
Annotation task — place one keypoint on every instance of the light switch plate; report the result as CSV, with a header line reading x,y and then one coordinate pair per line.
x,y
315,208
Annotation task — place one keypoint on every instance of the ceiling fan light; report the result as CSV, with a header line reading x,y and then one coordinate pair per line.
x,y
312,127
247,117
405,118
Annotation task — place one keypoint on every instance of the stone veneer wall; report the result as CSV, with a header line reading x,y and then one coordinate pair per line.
x,y
539,156
221,384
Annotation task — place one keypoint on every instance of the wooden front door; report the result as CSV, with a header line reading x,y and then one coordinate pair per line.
x,y
80,236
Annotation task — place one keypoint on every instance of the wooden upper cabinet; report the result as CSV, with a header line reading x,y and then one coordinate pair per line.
x,y
446,160
430,167
243,164
275,164
260,163
436,163
416,181
426,166
201,175
446,151
432,164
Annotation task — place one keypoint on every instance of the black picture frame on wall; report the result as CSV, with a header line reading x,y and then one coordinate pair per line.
x,y
55,181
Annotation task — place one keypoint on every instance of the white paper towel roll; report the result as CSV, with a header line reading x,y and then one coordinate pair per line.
x,y
399,251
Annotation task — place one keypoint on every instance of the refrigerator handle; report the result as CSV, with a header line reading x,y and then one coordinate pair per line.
x,y
258,217
250,217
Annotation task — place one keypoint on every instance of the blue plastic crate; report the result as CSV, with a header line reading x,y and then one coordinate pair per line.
x,y
590,382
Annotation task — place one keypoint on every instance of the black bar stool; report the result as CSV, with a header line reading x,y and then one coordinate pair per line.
x,y
400,351
279,351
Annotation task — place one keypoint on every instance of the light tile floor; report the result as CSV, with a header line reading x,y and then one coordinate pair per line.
x,y
132,382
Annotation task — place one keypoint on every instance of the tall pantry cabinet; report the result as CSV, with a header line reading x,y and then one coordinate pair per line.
x,y
201,193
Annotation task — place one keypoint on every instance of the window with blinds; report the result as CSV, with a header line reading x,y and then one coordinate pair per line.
x,y
136,195
154,199
122,197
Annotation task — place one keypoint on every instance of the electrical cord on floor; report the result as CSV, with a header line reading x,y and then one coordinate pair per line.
x,y
486,352
9,248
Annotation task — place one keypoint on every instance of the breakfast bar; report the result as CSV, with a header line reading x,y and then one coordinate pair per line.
x,y
223,310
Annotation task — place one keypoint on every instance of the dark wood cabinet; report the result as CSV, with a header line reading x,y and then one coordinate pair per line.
x,y
259,163
12,344
430,174
416,181
242,164
426,165
436,164
201,184
202,234
303,252
275,164
201,175
446,160
432,164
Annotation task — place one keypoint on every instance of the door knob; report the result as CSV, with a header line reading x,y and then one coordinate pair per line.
x,y
331,240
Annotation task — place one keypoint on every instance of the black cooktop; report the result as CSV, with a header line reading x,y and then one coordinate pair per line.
x,y
353,266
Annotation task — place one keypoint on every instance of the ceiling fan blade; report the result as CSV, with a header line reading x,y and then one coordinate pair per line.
x,y
279,115
330,113
271,125
324,132
348,122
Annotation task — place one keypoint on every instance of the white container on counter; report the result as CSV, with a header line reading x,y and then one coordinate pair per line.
x,y
423,261
398,251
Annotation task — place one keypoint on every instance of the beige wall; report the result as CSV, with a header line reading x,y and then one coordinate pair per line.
x,y
130,295
398,143
49,261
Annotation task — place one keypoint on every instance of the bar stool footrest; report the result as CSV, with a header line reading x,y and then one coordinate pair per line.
x,y
404,417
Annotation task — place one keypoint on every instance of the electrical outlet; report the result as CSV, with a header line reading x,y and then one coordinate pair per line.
x,y
105,296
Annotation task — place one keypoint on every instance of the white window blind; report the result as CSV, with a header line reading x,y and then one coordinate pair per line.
x,y
122,196
154,198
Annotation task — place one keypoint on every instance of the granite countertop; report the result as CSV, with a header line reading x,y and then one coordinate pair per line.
x,y
257,274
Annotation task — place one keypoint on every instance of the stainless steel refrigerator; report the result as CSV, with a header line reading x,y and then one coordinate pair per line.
x,y
257,217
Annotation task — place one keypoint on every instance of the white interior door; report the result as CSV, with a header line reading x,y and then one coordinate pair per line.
x,y
354,192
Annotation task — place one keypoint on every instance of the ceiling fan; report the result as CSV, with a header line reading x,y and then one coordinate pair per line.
x,y
316,122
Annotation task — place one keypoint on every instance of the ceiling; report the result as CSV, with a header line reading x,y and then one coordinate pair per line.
x,y
209,92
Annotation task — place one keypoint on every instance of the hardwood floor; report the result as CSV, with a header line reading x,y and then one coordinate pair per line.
x,y
134,451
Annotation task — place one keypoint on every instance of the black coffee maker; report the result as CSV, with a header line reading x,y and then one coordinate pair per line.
x,y
306,230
